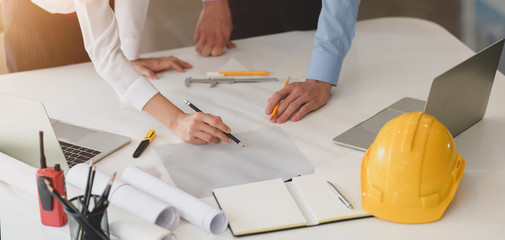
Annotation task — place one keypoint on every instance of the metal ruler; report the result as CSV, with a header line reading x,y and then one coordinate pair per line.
x,y
214,81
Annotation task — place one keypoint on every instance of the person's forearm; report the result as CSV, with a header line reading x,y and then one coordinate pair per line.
x,y
101,39
335,31
163,110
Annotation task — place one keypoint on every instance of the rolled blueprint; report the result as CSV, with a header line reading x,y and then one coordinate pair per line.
x,y
192,209
17,173
127,197
125,226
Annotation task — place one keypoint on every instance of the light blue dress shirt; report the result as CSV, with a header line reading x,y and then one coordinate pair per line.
x,y
335,31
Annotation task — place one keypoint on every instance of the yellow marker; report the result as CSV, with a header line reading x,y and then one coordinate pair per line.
x,y
143,144
220,74
277,106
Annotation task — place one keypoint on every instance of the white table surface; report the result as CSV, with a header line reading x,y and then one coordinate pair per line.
x,y
390,58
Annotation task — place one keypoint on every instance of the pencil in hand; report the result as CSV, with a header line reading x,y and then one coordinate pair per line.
x,y
227,134
277,106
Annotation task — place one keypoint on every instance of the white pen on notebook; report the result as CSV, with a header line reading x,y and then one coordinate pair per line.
x,y
340,196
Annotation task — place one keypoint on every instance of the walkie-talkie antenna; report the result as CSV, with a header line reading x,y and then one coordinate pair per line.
x,y
42,156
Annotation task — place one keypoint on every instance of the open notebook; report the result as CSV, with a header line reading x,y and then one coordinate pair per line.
x,y
304,201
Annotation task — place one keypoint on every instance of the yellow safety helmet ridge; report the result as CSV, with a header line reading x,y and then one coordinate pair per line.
x,y
411,172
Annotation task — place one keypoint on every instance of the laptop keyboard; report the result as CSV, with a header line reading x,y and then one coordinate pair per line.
x,y
75,154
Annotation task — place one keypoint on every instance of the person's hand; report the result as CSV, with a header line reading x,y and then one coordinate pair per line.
x,y
298,99
201,128
213,29
150,66
196,128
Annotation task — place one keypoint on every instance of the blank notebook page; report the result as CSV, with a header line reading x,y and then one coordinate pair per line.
x,y
259,207
323,203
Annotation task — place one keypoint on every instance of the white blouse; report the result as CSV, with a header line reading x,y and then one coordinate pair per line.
x,y
112,38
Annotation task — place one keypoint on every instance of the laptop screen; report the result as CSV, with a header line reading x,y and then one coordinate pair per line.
x,y
22,119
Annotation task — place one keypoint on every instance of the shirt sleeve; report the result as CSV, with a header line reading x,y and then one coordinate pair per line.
x,y
334,34
56,6
131,17
101,40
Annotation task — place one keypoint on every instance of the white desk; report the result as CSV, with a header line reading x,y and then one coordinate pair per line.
x,y
390,58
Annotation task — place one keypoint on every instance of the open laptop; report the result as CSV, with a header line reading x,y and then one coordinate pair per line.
x,y
458,98
64,143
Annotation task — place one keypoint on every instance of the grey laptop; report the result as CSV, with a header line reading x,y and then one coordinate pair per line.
x,y
64,143
458,98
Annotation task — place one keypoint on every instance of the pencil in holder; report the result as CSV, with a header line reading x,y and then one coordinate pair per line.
x,y
87,224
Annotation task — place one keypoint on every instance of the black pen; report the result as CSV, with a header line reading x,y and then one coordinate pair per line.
x,y
227,134
143,144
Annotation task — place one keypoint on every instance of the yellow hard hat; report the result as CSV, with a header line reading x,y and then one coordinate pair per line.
x,y
412,170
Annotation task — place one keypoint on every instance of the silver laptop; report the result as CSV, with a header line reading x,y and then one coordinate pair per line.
x,y
458,98
64,143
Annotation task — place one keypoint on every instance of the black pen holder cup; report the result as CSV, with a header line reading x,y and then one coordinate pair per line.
x,y
90,225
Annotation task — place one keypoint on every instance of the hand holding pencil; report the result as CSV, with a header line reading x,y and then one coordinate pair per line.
x,y
227,133
201,128
298,99
277,106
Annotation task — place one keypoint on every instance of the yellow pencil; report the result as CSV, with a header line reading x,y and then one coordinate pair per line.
x,y
238,73
277,106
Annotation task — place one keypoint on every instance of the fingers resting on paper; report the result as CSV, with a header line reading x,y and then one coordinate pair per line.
x,y
212,33
149,67
297,99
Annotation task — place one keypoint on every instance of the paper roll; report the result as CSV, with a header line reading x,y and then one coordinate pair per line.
x,y
192,209
125,226
17,173
127,197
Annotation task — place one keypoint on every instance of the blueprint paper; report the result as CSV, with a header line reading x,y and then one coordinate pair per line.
x,y
198,169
